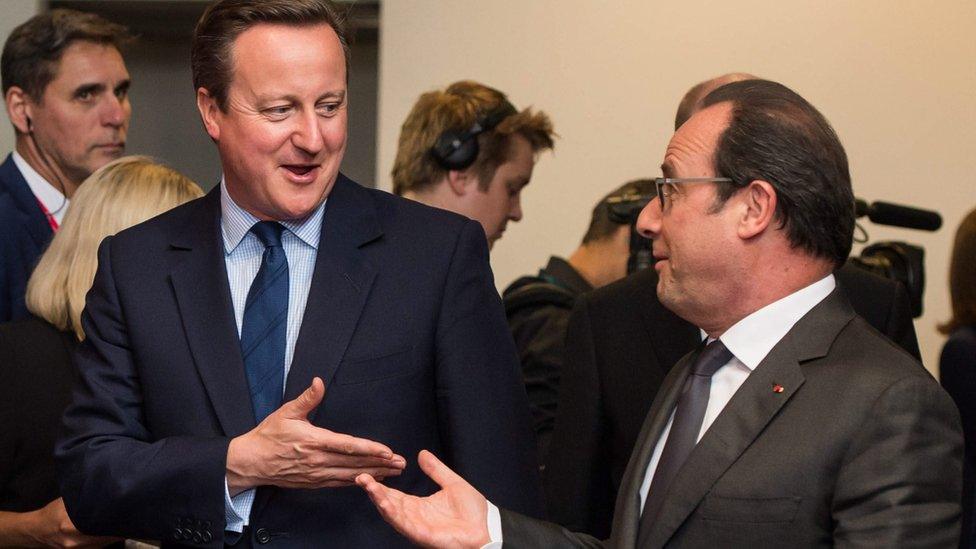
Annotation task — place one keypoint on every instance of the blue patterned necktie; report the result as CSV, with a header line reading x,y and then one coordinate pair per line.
x,y
688,417
265,323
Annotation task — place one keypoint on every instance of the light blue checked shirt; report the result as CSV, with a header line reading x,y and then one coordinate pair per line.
x,y
242,255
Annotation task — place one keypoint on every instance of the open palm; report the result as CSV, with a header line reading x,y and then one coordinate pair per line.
x,y
455,516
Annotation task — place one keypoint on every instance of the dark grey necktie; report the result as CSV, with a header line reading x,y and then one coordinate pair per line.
x,y
688,416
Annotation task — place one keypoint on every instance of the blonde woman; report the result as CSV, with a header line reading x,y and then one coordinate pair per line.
x,y
35,354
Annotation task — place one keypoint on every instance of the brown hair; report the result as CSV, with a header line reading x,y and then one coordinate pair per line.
x,y
118,195
34,48
457,108
962,276
777,136
211,55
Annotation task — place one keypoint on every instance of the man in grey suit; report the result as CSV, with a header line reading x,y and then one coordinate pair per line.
x,y
797,425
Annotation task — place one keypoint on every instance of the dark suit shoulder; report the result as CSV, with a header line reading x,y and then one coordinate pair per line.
x,y
402,213
862,352
957,370
624,291
167,225
963,338
884,303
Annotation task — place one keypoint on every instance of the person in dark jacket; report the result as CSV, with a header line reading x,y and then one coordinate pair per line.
x,y
957,365
622,343
36,368
66,91
538,307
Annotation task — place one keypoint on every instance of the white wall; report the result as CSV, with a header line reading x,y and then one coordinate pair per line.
x,y
12,13
896,79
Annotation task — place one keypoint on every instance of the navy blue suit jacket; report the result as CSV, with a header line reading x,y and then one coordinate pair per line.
x,y
403,323
24,233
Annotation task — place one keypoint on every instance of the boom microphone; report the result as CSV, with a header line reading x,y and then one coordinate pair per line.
x,y
886,213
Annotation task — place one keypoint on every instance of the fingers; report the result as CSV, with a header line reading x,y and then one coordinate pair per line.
x,y
335,478
342,461
436,470
386,500
300,407
354,446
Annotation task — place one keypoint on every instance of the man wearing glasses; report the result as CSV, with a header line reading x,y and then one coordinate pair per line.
x,y
622,343
794,424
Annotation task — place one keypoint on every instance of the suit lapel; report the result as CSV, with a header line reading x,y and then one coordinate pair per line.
x,y
752,407
339,288
626,516
207,311
30,212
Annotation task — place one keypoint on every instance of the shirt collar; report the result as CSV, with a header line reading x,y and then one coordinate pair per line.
x,y
753,337
48,195
235,222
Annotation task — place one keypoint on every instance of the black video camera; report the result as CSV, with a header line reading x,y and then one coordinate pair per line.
x,y
899,261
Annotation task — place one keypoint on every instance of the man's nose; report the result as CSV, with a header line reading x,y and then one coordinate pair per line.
x,y
515,212
649,220
308,134
116,111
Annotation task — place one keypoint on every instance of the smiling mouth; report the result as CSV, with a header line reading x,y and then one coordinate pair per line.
x,y
300,170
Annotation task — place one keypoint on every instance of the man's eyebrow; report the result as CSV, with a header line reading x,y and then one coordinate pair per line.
x,y
665,170
93,88
123,85
340,95
270,98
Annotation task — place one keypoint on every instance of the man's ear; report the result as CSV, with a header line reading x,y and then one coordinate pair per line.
x,y
209,113
460,181
18,108
759,199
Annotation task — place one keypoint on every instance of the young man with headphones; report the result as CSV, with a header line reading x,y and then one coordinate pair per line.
x,y
65,87
467,149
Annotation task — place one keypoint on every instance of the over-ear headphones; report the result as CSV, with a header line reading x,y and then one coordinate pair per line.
x,y
457,150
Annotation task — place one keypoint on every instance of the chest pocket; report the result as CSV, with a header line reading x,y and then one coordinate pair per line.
x,y
749,510
386,365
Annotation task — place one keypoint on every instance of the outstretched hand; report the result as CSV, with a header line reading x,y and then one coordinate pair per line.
x,y
287,450
456,516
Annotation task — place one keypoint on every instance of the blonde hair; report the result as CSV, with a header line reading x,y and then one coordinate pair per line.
x,y
457,108
962,276
120,194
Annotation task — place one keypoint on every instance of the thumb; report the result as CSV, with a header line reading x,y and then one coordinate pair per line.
x,y
305,402
437,471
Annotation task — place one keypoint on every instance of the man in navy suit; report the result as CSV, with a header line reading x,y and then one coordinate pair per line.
x,y
250,353
65,88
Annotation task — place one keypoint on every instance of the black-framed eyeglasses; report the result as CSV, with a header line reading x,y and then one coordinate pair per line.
x,y
665,185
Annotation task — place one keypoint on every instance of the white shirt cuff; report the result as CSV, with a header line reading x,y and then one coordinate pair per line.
x,y
237,509
494,520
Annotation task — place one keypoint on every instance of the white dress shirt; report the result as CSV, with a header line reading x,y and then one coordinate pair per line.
x,y
47,194
749,341
242,256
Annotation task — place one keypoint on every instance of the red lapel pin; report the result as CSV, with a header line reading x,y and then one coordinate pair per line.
x,y
777,388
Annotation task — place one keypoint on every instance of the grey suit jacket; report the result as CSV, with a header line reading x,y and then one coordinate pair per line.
x,y
861,448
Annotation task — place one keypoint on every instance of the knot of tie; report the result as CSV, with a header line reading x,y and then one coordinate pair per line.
x,y
714,356
268,232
